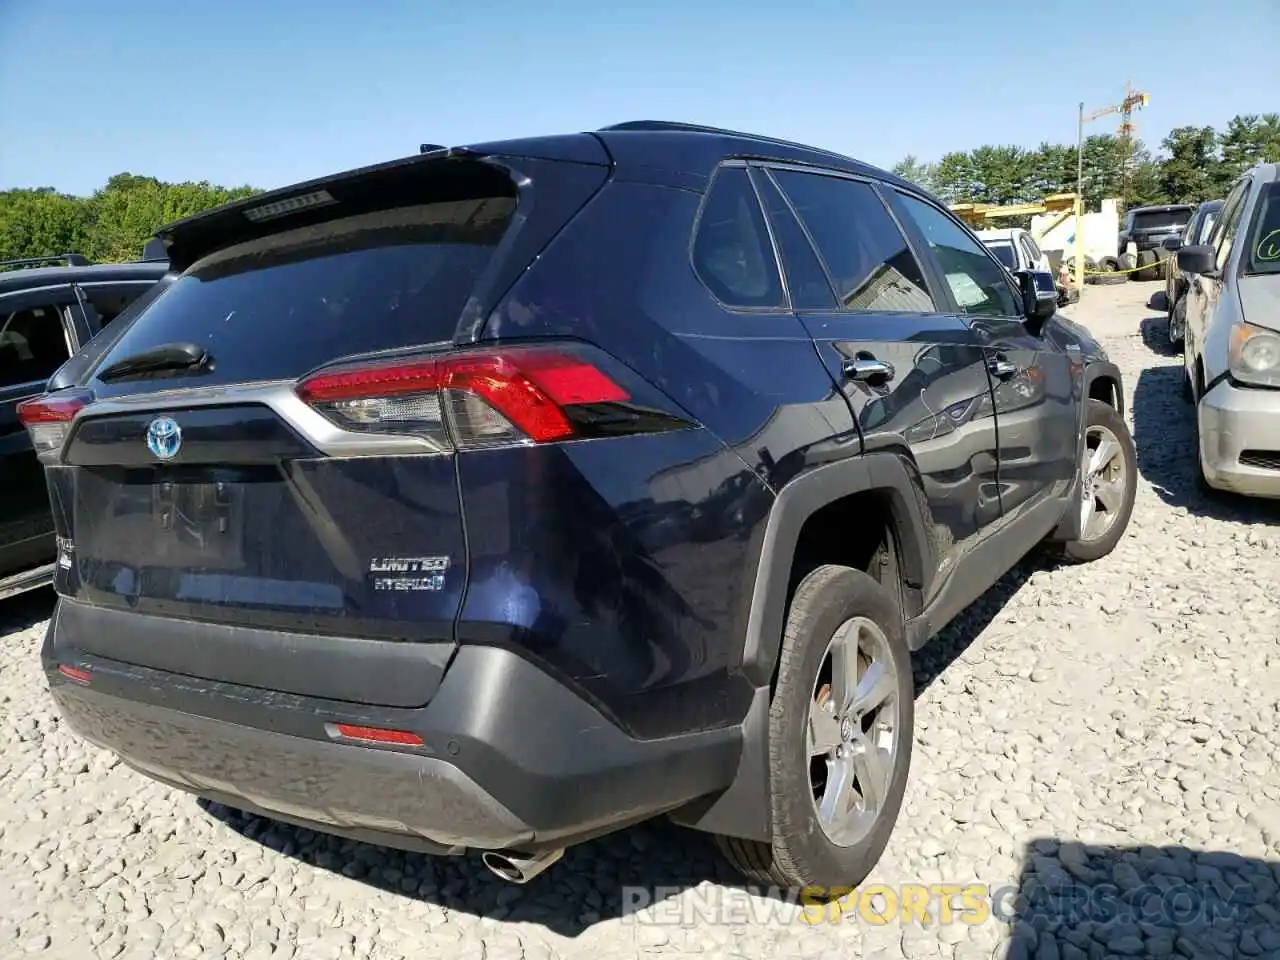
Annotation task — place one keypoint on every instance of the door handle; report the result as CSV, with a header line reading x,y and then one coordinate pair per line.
x,y
868,369
1002,367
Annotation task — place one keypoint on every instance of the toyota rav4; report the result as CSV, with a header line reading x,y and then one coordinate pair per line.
x,y
495,498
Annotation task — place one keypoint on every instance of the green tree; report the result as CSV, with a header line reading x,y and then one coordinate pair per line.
x,y
956,179
1191,171
1248,140
922,174
1001,175
41,223
130,208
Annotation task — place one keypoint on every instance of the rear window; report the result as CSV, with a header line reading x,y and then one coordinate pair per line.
x,y
275,307
1155,219
1004,253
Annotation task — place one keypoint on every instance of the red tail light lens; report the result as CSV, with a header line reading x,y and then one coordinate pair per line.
x,y
48,420
350,731
75,673
517,394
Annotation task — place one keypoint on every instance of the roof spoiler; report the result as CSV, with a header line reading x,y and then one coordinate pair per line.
x,y
155,251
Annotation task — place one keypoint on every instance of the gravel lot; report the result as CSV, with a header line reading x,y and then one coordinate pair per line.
x,y
1105,730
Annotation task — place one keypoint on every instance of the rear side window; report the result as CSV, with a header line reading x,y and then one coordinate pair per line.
x,y
33,344
806,280
866,254
732,253
275,307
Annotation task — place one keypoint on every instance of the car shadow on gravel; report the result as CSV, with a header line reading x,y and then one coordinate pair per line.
x,y
1155,337
25,610
603,879
1164,435
595,881
1079,900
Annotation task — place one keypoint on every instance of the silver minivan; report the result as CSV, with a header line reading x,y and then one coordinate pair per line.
x,y
1231,351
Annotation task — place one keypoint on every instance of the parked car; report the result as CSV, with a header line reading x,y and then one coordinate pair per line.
x,y
1196,231
1231,347
49,308
1143,232
1018,251
379,505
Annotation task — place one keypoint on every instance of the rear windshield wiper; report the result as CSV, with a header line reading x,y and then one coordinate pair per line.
x,y
166,357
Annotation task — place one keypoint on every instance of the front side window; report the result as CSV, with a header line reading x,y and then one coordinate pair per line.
x,y
866,255
1225,235
978,284
732,253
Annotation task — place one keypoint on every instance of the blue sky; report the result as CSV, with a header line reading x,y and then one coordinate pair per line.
x,y
274,91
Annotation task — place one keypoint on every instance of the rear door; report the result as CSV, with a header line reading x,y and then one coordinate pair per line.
x,y
913,375
34,342
1037,388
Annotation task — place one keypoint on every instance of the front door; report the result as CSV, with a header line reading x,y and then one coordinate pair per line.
x,y
1037,388
914,377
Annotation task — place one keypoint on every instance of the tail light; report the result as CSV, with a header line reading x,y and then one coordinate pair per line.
x,y
509,395
48,420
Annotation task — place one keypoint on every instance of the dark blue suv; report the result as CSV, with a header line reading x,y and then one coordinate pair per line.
x,y
499,497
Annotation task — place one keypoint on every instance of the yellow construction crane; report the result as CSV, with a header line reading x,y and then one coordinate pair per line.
x,y
1133,100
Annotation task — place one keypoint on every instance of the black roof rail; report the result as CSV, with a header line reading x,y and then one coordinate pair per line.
x,y
680,126
430,147
72,260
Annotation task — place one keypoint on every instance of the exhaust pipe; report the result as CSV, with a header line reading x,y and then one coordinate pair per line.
x,y
517,868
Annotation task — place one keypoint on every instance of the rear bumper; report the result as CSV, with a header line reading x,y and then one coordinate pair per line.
x,y
512,758
1234,421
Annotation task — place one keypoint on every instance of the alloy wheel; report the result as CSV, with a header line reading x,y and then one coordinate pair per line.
x,y
853,731
1104,483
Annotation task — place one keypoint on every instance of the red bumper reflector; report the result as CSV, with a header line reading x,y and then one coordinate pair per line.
x,y
350,731
74,673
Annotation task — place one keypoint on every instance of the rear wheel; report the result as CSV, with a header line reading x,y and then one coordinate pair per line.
x,y
840,736
1177,322
1108,486
1149,263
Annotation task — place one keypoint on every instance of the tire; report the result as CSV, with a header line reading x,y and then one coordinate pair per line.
x,y
1112,275
1146,260
1188,390
1178,323
801,853
1103,421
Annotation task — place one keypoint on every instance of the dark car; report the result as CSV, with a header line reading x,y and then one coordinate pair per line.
x,y
1175,279
1146,228
498,497
49,308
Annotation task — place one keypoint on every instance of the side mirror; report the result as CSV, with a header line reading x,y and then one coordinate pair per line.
x,y
1172,244
1039,295
1198,258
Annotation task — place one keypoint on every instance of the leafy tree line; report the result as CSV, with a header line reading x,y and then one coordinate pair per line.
x,y
112,225
1193,164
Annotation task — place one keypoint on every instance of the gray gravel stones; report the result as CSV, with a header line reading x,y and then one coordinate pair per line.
x,y
1096,743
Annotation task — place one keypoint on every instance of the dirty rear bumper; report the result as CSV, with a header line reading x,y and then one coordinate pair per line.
x,y
512,757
